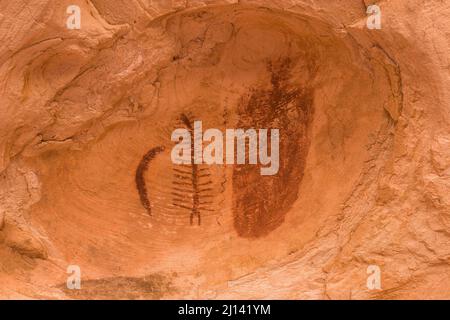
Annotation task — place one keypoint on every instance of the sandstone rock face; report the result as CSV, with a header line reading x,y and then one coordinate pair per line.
x,y
87,181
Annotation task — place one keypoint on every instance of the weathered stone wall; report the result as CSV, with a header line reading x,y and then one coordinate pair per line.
x,y
364,178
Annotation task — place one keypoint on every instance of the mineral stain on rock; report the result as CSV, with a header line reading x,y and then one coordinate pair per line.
x,y
260,203
153,286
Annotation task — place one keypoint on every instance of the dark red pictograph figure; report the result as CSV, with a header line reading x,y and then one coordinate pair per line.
x,y
260,203
140,177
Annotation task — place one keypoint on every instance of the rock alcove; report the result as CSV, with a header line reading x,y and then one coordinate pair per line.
x,y
87,178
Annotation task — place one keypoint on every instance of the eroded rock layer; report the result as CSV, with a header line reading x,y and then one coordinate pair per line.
x,y
87,179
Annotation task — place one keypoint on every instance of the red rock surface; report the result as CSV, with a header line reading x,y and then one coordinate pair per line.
x,y
364,149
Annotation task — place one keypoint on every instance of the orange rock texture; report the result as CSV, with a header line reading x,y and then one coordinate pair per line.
x,y
91,92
